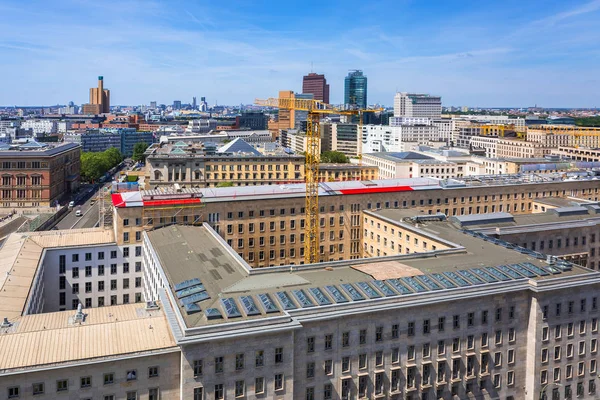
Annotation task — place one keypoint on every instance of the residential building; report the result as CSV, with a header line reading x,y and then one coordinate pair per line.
x,y
316,85
38,174
355,90
99,100
417,105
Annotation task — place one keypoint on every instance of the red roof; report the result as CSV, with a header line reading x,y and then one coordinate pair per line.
x,y
377,189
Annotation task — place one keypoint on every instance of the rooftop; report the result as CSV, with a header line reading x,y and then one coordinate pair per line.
x,y
210,285
41,340
554,219
21,254
33,148
398,157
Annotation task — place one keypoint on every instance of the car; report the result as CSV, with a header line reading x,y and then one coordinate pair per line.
x,y
78,213
71,204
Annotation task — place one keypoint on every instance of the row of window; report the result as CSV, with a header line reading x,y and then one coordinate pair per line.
x,y
570,329
240,388
85,382
283,224
88,270
62,300
100,285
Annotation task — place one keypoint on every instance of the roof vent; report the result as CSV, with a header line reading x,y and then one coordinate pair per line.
x,y
79,316
550,259
5,323
151,305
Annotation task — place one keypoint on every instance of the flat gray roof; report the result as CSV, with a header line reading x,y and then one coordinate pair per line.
x,y
188,252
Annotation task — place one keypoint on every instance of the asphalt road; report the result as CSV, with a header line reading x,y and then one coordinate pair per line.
x,y
91,212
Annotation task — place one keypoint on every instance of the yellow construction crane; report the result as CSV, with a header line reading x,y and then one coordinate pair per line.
x,y
315,109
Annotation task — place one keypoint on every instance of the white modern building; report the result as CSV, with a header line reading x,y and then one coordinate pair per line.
x,y
40,126
417,105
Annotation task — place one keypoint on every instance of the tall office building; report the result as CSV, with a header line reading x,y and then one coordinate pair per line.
x,y
99,99
417,105
176,105
194,102
355,89
316,85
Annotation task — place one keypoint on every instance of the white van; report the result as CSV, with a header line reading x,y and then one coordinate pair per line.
x,y
78,213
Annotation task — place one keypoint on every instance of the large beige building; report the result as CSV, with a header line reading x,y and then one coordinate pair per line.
x,y
439,313
564,135
239,164
265,224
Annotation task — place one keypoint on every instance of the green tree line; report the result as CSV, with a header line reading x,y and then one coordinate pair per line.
x,y
95,165
588,121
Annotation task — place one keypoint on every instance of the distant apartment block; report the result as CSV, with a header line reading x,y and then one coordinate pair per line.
x,y
417,105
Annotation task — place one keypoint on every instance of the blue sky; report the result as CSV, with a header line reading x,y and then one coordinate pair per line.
x,y
475,53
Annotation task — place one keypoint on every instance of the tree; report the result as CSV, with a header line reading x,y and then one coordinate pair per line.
x,y
138,152
225,184
95,165
334,157
114,156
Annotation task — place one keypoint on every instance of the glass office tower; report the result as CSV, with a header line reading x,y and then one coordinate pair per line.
x,y
355,90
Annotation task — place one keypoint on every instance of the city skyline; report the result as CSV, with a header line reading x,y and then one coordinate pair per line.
x,y
486,55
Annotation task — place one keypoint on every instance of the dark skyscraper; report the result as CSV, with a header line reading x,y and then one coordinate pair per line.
x,y
316,85
355,89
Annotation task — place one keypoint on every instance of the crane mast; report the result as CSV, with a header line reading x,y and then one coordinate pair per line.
x,y
316,109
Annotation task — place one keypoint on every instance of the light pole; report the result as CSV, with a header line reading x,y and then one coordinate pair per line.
x,y
543,390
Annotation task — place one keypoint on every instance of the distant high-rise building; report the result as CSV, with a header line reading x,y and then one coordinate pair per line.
x,y
417,105
153,105
316,85
99,99
355,89
177,105
194,102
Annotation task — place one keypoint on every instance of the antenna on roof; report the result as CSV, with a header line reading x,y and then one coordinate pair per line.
x,y
5,323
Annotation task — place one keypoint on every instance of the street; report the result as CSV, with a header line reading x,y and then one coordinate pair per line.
x,y
83,201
